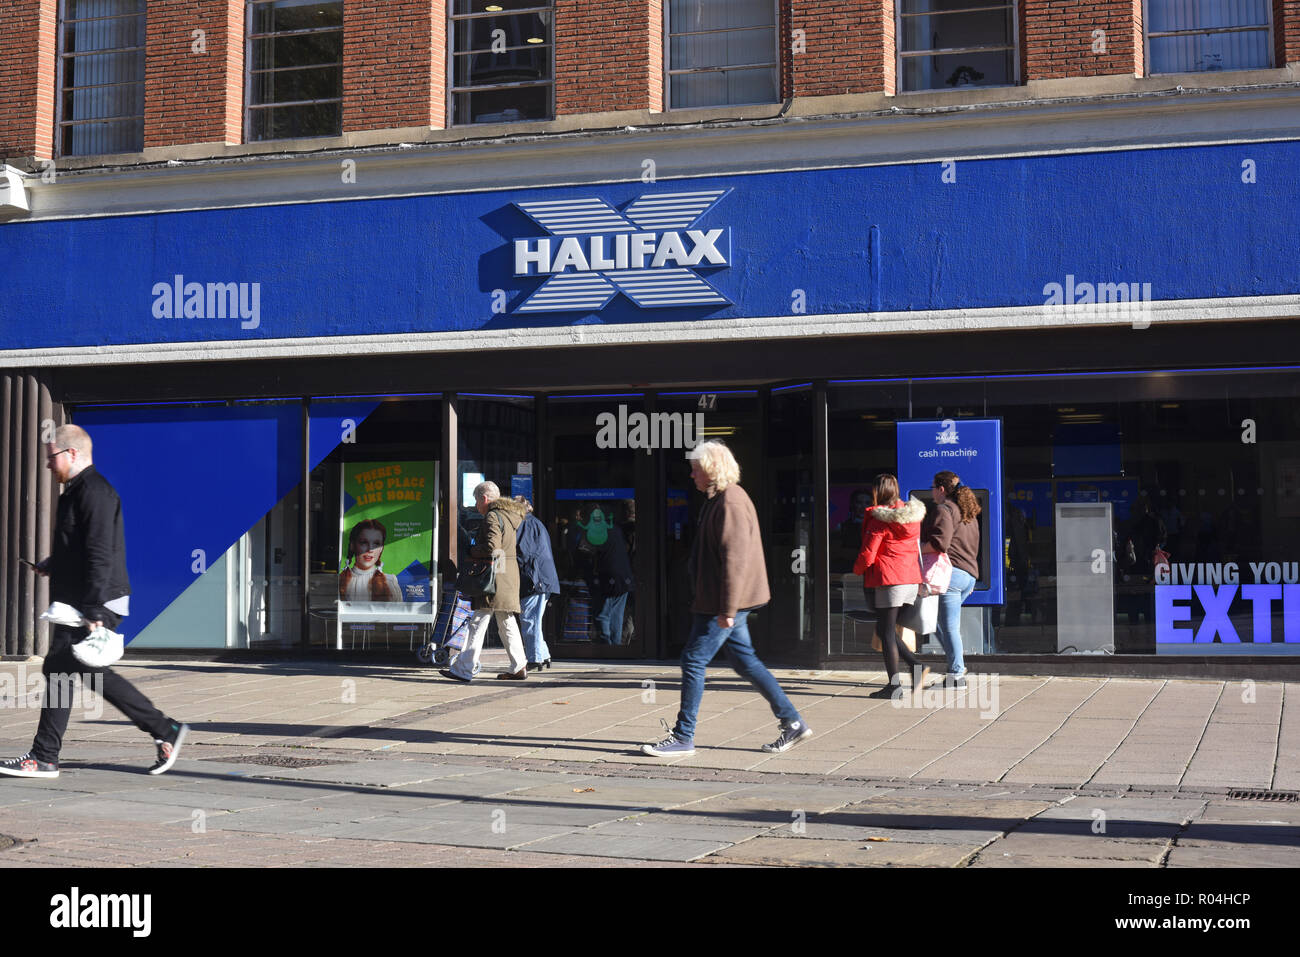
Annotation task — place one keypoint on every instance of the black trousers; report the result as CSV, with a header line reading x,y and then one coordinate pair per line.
x,y
60,665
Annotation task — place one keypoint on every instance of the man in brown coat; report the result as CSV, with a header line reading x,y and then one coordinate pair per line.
x,y
730,577
501,520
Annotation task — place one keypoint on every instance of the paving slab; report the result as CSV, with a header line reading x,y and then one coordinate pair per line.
x,y
1223,855
594,844
1024,843
812,853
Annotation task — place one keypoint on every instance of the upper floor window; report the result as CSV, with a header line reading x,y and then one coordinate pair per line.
x,y
101,77
945,44
721,53
295,69
1194,36
502,63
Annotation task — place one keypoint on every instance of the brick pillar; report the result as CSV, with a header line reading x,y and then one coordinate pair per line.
x,y
194,86
1058,39
28,31
608,56
839,46
1286,32
394,64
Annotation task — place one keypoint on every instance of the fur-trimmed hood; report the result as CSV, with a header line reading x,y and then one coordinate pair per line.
x,y
516,509
913,511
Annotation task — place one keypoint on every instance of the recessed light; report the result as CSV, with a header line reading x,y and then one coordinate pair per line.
x,y
493,8
535,40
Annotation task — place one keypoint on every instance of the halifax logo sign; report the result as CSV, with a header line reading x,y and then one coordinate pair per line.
x,y
649,251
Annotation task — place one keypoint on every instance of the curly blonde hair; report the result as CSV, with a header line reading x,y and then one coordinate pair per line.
x,y
717,463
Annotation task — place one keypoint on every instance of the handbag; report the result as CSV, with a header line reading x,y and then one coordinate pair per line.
x,y
922,616
477,577
936,574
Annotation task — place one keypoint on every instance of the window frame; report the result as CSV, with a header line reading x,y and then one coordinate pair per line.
x,y
669,72
453,18
250,106
1013,42
61,122
1147,34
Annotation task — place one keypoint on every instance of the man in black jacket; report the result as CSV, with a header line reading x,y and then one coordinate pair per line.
x,y
87,571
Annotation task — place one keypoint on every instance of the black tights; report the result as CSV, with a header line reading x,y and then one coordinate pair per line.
x,y
891,644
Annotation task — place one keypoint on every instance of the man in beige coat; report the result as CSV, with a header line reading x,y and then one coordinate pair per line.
x,y
501,520
730,576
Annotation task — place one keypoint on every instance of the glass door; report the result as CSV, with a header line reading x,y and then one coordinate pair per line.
x,y
595,478
735,418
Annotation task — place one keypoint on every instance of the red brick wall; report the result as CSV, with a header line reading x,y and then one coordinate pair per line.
x,y
194,97
28,29
1056,39
608,56
848,47
392,75
1286,32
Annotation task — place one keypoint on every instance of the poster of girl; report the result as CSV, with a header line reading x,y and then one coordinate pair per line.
x,y
363,578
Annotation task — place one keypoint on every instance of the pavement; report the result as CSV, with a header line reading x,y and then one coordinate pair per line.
x,y
331,763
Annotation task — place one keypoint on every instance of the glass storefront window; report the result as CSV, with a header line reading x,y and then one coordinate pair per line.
x,y
374,520
861,443
791,467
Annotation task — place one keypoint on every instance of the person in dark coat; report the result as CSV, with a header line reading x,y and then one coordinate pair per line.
x,y
87,571
501,520
730,575
537,582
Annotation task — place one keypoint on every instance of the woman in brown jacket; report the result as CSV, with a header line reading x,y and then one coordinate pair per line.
x,y
730,577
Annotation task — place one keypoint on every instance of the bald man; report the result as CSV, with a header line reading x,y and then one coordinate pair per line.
x,y
87,570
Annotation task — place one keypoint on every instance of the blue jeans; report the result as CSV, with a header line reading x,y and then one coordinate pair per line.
x,y
950,602
609,620
530,626
707,637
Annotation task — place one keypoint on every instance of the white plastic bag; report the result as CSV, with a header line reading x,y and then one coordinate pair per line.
x,y
99,649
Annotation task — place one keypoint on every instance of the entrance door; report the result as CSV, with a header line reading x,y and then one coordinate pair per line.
x,y
735,418
596,480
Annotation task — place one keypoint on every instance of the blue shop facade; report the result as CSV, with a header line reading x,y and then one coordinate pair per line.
x,y
1104,339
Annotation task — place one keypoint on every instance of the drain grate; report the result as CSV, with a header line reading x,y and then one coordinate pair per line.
x,y
277,761
1279,796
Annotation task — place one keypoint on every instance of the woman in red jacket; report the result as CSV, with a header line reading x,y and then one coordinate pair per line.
x,y
890,566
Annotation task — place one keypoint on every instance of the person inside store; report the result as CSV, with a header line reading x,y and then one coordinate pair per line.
x,y
363,579
600,550
955,532
890,565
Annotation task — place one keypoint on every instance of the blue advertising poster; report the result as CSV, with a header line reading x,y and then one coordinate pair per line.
x,y
521,485
972,448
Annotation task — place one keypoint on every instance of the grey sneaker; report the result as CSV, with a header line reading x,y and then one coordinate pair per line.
x,y
791,734
670,747
28,767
